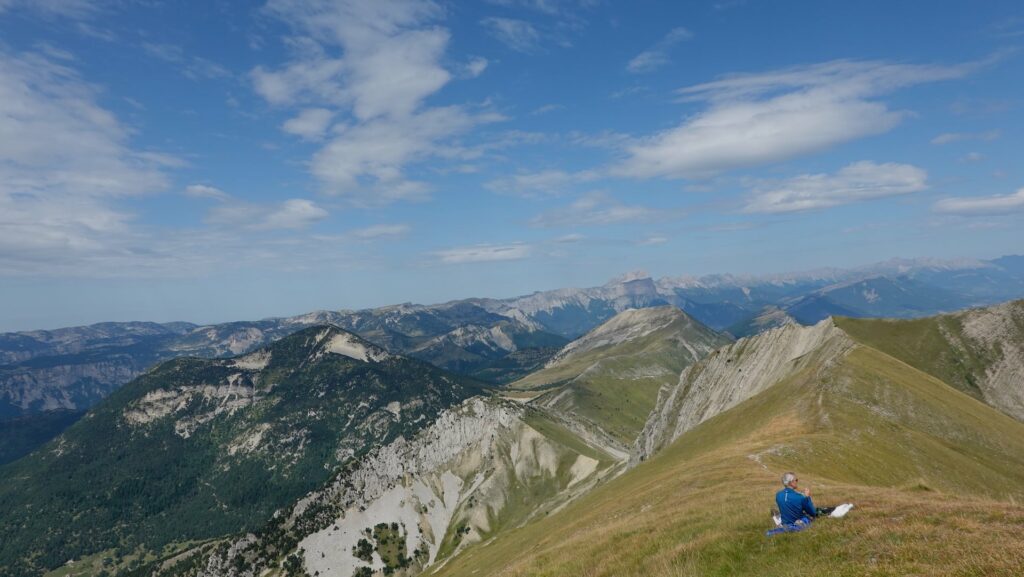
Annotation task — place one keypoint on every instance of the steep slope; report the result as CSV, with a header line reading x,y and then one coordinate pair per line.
x,y
197,449
735,373
608,379
979,351
933,472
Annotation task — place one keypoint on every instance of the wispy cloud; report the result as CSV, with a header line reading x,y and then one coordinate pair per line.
x,y
658,55
755,119
519,35
205,191
551,182
596,209
546,109
950,137
484,253
66,8
381,231
982,205
856,182
295,213
193,67
65,162
569,238
653,240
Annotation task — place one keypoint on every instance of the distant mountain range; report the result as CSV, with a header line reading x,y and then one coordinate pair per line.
x,y
495,340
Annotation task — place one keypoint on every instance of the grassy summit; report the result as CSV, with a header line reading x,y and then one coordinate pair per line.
x,y
935,473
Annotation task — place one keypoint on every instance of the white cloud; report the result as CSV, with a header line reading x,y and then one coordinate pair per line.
x,y
476,66
391,56
484,253
950,137
982,205
597,209
204,191
310,124
381,231
972,157
658,55
755,119
519,35
371,156
390,63
856,182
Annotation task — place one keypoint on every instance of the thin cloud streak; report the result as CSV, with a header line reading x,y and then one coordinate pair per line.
x,y
982,205
483,253
856,182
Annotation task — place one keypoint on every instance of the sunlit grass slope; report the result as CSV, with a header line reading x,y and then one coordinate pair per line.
x,y
934,473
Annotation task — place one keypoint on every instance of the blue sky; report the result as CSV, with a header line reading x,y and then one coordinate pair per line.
x,y
212,161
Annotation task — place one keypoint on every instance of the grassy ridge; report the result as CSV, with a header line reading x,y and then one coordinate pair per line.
x,y
615,386
934,473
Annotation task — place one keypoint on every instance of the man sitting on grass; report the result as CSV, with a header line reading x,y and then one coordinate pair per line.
x,y
796,508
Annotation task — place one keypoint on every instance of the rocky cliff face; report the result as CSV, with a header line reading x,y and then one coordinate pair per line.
x,y
481,467
734,374
998,334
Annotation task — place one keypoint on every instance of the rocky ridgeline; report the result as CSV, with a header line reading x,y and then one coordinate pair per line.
x,y
734,374
998,334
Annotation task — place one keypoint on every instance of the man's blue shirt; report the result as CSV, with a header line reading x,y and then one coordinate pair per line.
x,y
793,505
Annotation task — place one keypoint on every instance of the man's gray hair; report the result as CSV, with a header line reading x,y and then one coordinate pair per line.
x,y
788,478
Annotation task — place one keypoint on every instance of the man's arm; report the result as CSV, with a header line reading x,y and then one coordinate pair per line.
x,y
809,507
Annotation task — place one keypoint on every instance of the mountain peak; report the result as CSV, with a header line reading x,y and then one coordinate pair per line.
x,y
628,325
313,343
628,277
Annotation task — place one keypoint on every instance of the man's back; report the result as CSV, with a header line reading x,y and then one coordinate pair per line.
x,y
794,505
